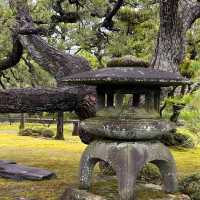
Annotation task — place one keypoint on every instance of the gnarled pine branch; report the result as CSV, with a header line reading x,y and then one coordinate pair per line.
x,y
14,57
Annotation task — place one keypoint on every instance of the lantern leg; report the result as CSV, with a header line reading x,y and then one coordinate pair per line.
x,y
127,163
168,173
127,159
86,169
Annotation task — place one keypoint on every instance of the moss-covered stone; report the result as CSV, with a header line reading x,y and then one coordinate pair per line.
x,y
127,61
127,124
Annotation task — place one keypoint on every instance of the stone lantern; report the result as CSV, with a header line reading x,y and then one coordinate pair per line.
x,y
127,134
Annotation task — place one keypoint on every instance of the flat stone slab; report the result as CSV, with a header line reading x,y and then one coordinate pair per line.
x,y
9,169
3,162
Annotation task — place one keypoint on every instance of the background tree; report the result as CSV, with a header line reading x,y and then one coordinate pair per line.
x,y
62,36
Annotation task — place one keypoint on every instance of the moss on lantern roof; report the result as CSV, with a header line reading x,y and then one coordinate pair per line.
x,y
127,61
127,75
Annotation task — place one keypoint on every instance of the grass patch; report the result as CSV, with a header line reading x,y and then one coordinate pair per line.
x,y
62,157
187,160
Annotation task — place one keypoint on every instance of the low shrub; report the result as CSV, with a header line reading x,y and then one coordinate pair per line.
x,y
47,133
37,132
106,169
181,138
150,173
190,185
26,132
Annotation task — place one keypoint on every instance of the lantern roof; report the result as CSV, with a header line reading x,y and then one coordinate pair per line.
x,y
127,75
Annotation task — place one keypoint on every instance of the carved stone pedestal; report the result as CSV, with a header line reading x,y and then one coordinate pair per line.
x,y
127,159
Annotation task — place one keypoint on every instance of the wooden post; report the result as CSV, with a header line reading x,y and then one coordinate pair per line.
x,y
60,124
22,121
75,131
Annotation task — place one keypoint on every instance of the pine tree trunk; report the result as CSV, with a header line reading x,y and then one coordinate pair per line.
x,y
169,52
176,17
60,126
33,100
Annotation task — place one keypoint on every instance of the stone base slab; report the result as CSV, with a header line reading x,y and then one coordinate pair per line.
x,y
76,194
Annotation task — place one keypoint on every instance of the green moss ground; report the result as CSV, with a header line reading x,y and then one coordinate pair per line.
x,y
62,157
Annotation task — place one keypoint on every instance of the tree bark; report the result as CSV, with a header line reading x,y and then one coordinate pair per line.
x,y
57,63
31,100
14,56
60,126
176,17
189,11
171,41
